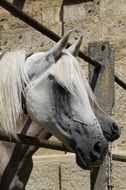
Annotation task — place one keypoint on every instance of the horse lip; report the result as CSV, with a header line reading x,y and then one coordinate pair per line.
x,y
80,161
109,137
83,164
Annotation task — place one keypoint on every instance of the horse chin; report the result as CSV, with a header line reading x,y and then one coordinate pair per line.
x,y
82,163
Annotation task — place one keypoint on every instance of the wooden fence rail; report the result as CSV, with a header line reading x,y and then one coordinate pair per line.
x,y
32,141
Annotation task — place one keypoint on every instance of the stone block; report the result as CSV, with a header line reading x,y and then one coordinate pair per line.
x,y
83,18
46,12
119,175
109,8
113,29
28,39
73,177
80,11
45,174
58,173
89,28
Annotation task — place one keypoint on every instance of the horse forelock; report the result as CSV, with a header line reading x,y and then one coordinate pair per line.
x,y
12,85
69,75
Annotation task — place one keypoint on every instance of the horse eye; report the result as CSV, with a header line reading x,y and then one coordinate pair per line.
x,y
51,77
53,109
77,130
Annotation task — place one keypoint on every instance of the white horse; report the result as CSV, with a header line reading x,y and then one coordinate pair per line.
x,y
53,86
59,98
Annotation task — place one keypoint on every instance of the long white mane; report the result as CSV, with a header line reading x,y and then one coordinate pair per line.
x,y
12,82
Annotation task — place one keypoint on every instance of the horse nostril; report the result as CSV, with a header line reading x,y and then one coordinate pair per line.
x,y
96,153
115,131
114,127
98,147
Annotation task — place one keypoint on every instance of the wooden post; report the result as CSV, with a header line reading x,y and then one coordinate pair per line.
x,y
102,83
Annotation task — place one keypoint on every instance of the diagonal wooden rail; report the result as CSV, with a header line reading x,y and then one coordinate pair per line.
x,y
32,141
15,11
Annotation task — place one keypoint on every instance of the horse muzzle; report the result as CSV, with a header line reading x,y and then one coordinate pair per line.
x,y
113,133
88,158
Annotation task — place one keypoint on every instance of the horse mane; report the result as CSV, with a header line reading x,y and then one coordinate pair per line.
x,y
12,85
70,75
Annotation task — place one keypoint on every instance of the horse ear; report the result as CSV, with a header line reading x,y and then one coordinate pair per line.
x,y
74,49
59,46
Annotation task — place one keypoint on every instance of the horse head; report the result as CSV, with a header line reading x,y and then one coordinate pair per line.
x,y
109,127
57,98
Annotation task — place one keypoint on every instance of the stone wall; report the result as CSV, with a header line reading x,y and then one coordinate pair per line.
x,y
62,173
58,173
97,20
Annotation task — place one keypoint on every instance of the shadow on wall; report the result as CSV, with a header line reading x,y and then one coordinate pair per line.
x,y
71,2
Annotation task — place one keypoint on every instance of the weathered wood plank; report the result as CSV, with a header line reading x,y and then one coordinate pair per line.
x,y
105,93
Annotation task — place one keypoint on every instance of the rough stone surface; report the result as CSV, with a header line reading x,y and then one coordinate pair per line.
x,y
45,175
72,177
119,175
62,173
58,173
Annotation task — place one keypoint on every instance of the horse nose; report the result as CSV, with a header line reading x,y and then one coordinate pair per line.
x,y
115,131
99,151
98,147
